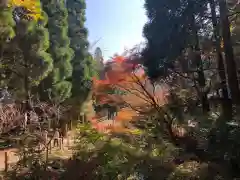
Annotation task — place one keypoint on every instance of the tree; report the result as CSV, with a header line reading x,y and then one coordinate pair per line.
x,y
234,7
226,101
82,68
7,32
33,42
128,88
57,84
229,54
182,21
26,61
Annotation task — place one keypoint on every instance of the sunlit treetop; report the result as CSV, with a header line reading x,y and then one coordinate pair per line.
x,y
120,68
32,7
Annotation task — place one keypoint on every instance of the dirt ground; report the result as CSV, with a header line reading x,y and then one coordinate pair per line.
x,y
66,152
12,158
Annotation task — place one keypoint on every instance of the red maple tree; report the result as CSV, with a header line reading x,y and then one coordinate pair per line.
x,y
127,86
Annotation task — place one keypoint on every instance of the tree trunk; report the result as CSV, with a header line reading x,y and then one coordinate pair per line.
x,y
28,106
226,102
229,55
201,77
6,161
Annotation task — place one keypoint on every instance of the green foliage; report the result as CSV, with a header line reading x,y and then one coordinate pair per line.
x,y
195,170
6,33
6,25
169,31
40,44
83,63
117,157
25,60
57,85
113,156
34,44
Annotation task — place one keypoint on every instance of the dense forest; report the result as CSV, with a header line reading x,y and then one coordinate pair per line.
x,y
166,110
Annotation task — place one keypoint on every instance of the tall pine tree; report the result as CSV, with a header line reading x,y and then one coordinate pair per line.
x,y
82,61
57,85
229,53
26,62
179,23
33,42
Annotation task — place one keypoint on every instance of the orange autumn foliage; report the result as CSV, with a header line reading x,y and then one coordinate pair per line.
x,y
125,115
33,7
107,126
138,97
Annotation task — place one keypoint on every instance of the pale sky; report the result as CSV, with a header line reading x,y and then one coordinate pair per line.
x,y
118,23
